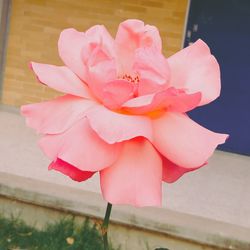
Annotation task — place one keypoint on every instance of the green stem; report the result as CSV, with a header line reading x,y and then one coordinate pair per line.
x,y
105,225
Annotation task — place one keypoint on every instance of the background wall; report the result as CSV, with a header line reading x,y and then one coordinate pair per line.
x,y
4,11
35,26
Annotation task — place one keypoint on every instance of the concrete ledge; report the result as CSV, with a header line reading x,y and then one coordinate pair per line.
x,y
162,221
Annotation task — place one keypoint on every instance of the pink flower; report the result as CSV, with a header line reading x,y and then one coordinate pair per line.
x,y
123,114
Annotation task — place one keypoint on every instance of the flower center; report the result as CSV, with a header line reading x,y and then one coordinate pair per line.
x,y
131,78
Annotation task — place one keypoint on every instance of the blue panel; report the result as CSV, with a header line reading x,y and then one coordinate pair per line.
x,y
225,26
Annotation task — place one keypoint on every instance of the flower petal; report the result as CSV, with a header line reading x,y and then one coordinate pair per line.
x,y
60,78
183,141
80,146
70,45
153,70
69,170
172,172
55,116
196,70
170,99
98,56
135,178
100,75
80,51
98,40
133,34
114,127
115,93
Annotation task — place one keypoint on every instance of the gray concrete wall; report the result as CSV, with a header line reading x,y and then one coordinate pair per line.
x,y
218,191
1,7
128,237
39,202
4,10
208,207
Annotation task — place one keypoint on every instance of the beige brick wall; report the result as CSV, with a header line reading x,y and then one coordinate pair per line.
x,y
36,24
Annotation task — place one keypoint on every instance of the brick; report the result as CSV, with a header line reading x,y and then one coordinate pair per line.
x,y
150,3
35,26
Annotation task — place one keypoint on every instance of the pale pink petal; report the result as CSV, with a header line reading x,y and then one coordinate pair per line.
x,y
98,56
81,51
153,70
170,99
151,37
60,78
135,178
73,172
183,102
99,43
196,70
183,141
114,127
55,116
172,172
80,147
117,92
70,45
100,75
133,34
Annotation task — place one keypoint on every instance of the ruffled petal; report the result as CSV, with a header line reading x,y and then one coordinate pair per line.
x,y
114,127
99,45
100,75
133,34
135,178
196,70
98,56
80,52
183,141
55,116
80,147
153,70
170,99
69,170
172,172
60,78
117,92
70,45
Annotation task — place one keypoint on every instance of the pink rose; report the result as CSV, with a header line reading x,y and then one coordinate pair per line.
x,y
124,112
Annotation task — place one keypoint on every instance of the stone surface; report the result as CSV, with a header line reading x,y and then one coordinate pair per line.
x,y
219,191
129,238
216,196
39,202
